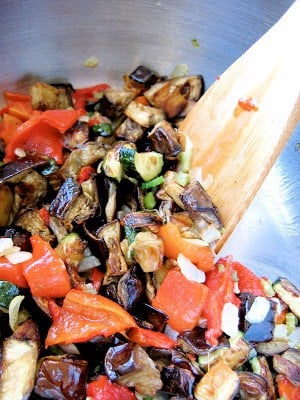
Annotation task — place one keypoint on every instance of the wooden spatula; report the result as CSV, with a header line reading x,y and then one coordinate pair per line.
x,y
238,146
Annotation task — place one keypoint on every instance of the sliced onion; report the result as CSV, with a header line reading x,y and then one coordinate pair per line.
x,y
5,244
189,270
258,311
230,319
19,256
13,312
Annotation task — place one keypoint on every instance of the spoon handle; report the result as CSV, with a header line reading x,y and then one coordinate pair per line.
x,y
237,146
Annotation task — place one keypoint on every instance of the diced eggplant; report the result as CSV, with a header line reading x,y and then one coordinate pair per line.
x,y
19,236
62,378
131,287
191,87
156,318
261,367
148,250
85,205
115,263
146,116
48,97
271,347
32,222
130,365
6,201
142,219
119,98
252,386
19,362
233,355
262,331
166,96
30,191
87,154
111,205
178,380
220,382
112,165
66,196
288,293
68,90
11,169
2,149
142,77
76,136
129,130
193,341
288,364
164,139
200,207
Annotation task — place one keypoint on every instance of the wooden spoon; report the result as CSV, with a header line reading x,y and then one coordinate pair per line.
x,y
239,147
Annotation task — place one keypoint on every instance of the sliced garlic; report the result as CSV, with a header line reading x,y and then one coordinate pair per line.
x,y
18,257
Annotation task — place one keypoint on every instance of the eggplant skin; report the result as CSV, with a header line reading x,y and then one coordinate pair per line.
x,y
252,386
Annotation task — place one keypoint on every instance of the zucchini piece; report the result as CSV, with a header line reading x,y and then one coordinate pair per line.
x,y
148,164
219,383
289,294
126,157
7,292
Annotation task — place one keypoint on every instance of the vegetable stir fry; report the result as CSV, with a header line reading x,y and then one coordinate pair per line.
x,y
109,283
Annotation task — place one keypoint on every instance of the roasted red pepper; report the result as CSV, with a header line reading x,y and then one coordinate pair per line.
x,y
88,93
45,273
103,389
85,173
62,120
36,136
220,283
247,280
149,338
12,273
85,315
286,389
8,127
201,256
181,299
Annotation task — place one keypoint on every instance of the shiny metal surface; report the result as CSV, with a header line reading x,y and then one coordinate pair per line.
x,y
51,39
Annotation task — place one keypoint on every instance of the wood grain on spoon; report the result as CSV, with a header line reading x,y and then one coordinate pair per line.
x,y
239,147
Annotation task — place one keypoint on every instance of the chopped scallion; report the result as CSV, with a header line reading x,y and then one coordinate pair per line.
x,y
153,183
149,201
103,129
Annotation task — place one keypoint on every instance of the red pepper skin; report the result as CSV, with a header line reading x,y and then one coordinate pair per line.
x,y
12,273
44,214
85,315
97,278
103,389
8,127
45,273
83,94
286,389
181,299
220,283
20,109
248,282
62,120
85,173
36,136
149,338
16,96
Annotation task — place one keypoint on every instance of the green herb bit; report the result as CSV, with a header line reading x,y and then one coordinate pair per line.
x,y
153,183
7,292
195,43
130,233
149,201
103,129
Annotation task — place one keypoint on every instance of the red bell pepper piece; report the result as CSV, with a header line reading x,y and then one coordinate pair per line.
x,y
103,389
44,214
36,136
96,278
62,120
20,109
16,96
220,283
54,308
247,280
181,299
85,315
46,272
88,93
85,173
286,389
12,272
149,338
174,243
8,127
